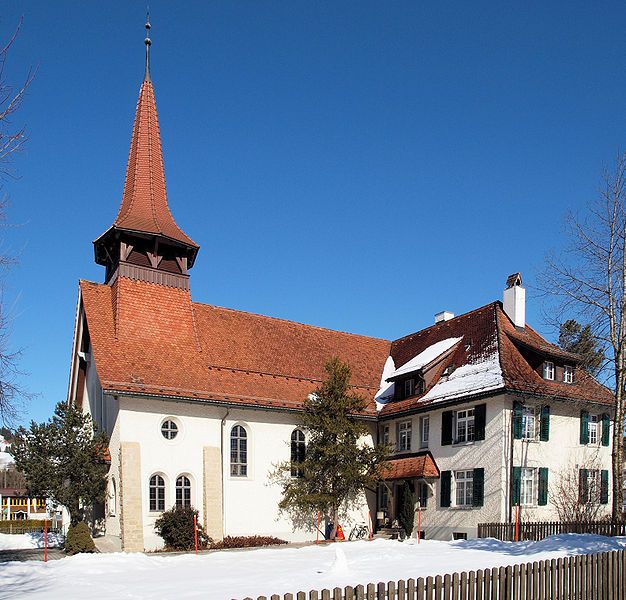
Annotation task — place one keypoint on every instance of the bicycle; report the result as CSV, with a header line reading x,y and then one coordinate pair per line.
x,y
359,531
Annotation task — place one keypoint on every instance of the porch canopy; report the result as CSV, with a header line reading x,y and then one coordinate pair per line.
x,y
420,465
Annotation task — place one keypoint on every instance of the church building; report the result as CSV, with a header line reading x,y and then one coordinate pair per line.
x,y
200,402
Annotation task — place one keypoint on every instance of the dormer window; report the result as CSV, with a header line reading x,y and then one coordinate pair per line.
x,y
568,374
548,370
409,388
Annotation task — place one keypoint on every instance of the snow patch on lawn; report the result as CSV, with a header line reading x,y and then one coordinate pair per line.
x,y
27,541
238,574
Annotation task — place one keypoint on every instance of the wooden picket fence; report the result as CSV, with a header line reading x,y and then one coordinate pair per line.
x,y
538,530
582,577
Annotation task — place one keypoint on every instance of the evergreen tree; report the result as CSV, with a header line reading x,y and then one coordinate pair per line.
x,y
62,459
407,511
338,465
575,338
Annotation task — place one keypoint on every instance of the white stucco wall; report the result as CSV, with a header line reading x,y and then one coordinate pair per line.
x,y
562,451
250,503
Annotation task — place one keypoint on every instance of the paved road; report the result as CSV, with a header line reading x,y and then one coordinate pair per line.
x,y
30,554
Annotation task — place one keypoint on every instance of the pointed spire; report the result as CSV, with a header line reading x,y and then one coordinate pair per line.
x,y
144,201
148,43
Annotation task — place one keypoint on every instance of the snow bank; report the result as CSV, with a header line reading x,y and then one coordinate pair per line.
x,y
237,574
25,541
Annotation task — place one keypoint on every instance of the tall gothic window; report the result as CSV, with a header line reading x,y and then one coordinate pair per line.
x,y
238,451
183,491
298,450
157,493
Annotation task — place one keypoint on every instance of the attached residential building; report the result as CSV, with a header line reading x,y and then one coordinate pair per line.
x,y
484,415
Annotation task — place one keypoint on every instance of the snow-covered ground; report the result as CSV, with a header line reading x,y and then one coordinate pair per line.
x,y
237,574
23,541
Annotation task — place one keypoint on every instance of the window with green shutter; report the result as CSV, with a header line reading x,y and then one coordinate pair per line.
x,y
583,485
446,488
604,487
606,429
584,427
542,496
446,427
517,421
516,485
480,419
478,490
544,425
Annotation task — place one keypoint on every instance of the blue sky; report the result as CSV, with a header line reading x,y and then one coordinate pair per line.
x,y
355,165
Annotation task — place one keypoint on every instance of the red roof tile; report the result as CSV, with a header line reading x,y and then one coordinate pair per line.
x,y
144,202
422,465
485,331
151,339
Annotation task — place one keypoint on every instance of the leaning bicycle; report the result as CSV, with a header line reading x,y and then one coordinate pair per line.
x,y
359,531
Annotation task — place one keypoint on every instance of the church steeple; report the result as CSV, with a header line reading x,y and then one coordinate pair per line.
x,y
144,241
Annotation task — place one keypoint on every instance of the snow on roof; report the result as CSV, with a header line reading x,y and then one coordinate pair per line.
x,y
387,389
468,379
426,356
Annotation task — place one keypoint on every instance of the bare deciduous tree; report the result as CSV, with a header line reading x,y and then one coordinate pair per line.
x,y
589,282
576,501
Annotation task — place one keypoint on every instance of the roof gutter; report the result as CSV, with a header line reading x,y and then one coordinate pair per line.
x,y
222,403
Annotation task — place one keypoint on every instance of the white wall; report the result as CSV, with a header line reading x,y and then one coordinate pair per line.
x,y
250,503
562,451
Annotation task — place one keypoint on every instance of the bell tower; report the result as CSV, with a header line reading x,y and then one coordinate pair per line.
x,y
144,242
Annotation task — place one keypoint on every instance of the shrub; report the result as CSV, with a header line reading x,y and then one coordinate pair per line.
x,y
79,539
175,526
249,541
407,510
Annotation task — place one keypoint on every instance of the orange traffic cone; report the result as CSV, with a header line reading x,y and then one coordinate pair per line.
x,y
340,536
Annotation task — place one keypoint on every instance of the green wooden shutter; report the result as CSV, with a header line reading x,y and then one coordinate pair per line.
x,y
480,418
478,487
583,485
606,429
517,421
446,428
544,424
542,496
516,485
604,487
584,427
446,488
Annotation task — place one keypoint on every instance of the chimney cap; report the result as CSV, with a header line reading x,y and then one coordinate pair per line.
x,y
513,280
444,315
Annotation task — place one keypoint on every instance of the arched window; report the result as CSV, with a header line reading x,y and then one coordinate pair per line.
x,y
157,493
183,491
238,451
298,450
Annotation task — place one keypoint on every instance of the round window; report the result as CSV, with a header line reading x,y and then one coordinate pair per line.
x,y
169,429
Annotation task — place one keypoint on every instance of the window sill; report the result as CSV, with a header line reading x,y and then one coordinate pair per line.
x,y
470,443
464,507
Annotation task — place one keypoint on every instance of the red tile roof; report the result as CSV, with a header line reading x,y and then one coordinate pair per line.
x,y
144,202
154,340
487,331
422,465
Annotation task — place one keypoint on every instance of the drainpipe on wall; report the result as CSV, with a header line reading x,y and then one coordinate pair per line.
x,y
510,486
222,466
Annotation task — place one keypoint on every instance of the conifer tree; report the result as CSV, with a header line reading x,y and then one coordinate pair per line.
x,y
580,340
338,465
62,459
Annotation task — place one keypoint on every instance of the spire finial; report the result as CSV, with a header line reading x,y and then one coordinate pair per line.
x,y
148,43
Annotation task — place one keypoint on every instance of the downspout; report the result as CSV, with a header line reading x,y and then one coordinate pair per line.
x,y
510,486
222,466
